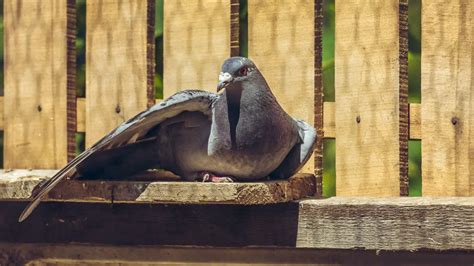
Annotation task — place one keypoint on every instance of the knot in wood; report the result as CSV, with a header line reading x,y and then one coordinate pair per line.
x,y
117,109
358,119
454,120
39,108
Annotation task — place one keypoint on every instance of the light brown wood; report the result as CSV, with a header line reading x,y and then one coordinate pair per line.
x,y
330,121
116,64
1,113
281,43
398,223
196,43
329,118
368,90
81,115
19,184
35,84
415,121
96,254
447,95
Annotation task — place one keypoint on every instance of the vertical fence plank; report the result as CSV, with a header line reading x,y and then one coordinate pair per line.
x,y
196,42
35,84
371,97
281,43
447,95
71,79
117,68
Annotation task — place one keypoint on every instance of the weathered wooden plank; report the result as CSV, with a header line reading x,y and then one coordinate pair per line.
x,y
116,63
415,121
221,225
81,114
71,104
329,118
197,41
19,185
387,223
281,43
93,254
447,86
393,224
1,113
330,121
35,82
371,98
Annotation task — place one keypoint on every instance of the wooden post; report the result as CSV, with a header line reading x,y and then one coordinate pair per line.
x,y
371,97
447,66
36,84
282,45
196,42
118,58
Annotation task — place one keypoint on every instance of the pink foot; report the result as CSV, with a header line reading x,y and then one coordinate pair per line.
x,y
209,177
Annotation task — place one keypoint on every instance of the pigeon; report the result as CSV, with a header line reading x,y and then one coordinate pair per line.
x,y
239,134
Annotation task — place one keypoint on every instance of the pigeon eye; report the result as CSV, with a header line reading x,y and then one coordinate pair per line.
x,y
243,71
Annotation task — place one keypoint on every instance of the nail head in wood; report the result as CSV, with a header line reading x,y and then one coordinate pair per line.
x,y
358,119
454,120
39,108
117,109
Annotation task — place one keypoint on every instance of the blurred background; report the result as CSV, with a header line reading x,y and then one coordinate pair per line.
x,y
329,177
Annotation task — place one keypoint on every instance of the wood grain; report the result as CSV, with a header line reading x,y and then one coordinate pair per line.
x,y
338,224
94,254
35,82
196,43
371,124
19,185
387,223
281,43
415,121
71,104
447,66
329,118
116,64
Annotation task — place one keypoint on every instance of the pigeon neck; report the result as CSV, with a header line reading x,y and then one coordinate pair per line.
x,y
233,98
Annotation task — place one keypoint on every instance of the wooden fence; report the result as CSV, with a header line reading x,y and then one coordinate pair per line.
x,y
370,119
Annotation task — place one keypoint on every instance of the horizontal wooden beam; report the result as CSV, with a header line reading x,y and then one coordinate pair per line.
x,y
19,184
199,217
330,120
93,254
395,223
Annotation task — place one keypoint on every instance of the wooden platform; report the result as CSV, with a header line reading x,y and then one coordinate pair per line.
x,y
19,184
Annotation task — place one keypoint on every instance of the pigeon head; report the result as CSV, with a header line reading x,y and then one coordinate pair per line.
x,y
234,71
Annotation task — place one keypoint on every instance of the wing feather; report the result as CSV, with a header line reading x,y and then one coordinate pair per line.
x,y
130,131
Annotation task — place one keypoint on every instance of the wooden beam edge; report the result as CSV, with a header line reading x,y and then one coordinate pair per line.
x,y
19,185
96,254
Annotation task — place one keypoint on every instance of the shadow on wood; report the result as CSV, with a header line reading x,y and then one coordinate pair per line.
x,y
154,224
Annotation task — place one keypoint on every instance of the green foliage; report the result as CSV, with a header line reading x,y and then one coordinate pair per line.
x,y
81,48
159,49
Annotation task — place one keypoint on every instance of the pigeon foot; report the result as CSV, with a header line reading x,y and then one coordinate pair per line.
x,y
209,177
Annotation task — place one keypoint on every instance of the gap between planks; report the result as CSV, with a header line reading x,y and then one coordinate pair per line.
x,y
329,118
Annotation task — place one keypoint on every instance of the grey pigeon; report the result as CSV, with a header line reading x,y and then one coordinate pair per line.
x,y
240,134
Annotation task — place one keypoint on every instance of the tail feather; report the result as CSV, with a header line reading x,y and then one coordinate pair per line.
x,y
51,183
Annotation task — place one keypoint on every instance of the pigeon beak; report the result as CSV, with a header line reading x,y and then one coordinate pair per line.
x,y
224,80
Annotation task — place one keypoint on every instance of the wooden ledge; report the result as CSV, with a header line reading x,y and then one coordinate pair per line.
x,y
352,223
19,184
